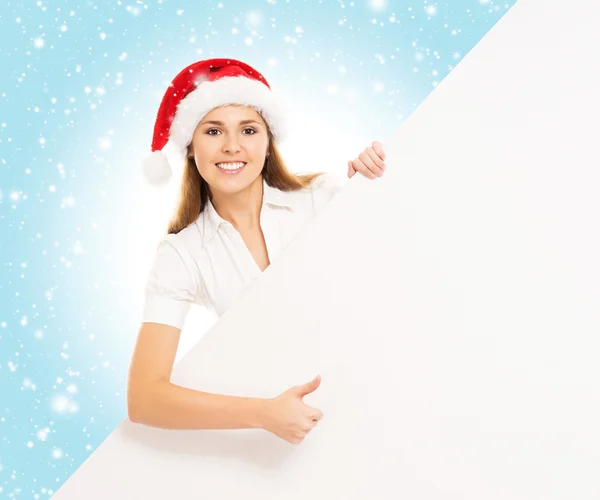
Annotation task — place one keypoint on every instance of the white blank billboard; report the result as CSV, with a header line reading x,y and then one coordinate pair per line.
x,y
452,307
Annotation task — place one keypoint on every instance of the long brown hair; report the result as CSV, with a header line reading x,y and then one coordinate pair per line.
x,y
194,192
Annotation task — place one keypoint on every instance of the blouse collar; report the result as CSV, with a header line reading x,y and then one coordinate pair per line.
x,y
211,220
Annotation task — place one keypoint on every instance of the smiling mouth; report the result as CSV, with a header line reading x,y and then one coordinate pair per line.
x,y
231,167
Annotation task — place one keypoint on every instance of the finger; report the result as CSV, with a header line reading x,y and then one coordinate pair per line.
x,y
315,414
309,426
351,170
375,158
378,147
311,386
370,165
360,167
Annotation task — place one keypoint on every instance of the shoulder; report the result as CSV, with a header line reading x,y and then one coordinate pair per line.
x,y
172,258
328,181
325,187
313,197
176,257
171,286
189,240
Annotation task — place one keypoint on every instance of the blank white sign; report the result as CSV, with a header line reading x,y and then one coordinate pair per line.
x,y
452,307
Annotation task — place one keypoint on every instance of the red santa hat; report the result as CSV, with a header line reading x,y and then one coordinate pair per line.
x,y
194,92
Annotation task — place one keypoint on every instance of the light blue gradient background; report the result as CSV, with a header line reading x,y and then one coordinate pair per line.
x,y
76,112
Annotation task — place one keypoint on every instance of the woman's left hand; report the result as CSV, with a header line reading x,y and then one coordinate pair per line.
x,y
369,163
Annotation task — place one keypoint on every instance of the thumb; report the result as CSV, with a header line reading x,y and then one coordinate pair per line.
x,y
351,170
311,386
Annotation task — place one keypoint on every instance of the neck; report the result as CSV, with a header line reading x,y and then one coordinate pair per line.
x,y
241,209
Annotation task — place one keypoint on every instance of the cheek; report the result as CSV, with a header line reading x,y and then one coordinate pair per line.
x,y
204,151
259,147
204,168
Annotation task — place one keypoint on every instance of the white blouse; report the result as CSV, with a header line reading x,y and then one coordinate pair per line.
x,y
208,263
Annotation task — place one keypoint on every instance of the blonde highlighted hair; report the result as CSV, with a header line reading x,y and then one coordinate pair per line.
x,y
194,192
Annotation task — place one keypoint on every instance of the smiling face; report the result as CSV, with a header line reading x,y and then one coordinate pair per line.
x,y
229,147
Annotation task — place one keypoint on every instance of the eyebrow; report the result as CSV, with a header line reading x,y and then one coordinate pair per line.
x,y
217,122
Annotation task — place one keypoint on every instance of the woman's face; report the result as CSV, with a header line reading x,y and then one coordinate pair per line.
x,y
227,135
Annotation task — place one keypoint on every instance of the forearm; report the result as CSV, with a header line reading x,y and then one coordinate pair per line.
x,y
169,406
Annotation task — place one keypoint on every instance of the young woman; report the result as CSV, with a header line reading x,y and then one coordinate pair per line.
x,y
239,208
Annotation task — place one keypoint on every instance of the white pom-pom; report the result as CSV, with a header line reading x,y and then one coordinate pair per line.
x,y
156,168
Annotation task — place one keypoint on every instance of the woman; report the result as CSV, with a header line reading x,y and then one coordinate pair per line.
x,y
239,208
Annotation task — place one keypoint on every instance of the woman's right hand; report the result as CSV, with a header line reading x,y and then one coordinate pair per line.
x,y
288,417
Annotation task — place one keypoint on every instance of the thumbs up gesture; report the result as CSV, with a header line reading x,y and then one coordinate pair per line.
x,y
288,417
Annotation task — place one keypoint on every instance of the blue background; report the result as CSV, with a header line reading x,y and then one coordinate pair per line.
x,y
79,90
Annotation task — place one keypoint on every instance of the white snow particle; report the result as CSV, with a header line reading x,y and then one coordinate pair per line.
x,y
135,11
378,4
60,404
378,86
69,201
104,143
254,18
28,384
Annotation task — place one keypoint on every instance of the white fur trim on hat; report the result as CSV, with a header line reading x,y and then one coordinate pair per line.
x,y
221,92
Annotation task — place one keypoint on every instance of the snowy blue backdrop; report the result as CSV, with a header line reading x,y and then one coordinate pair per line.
x,y
79,89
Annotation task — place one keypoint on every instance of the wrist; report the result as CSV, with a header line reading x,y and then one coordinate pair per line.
x,y
261,414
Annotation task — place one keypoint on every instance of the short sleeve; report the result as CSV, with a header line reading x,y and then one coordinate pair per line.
x,y
171,288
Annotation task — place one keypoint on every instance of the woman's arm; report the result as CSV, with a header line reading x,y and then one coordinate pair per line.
x,y
154,401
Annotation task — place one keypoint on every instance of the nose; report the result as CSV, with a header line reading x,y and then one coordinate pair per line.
x,y
231,143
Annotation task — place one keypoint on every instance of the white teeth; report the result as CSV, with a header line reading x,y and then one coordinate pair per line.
x,y
230,166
